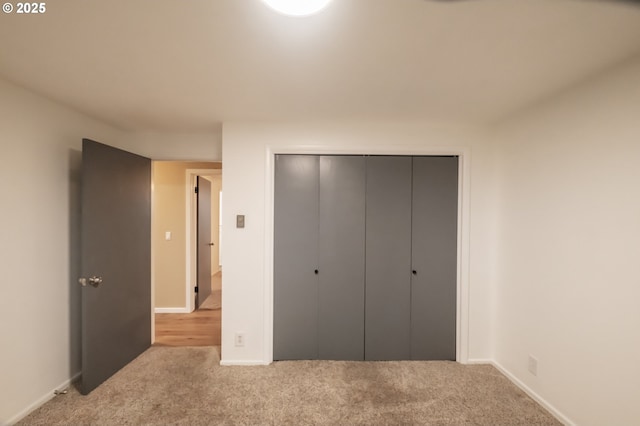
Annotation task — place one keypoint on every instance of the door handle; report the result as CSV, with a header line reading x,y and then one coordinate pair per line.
x,y
414,272
211,244
93,281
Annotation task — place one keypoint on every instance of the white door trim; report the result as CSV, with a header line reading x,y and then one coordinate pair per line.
x,y
464,196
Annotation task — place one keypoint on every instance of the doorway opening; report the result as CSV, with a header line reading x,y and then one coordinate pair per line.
x,y
178,253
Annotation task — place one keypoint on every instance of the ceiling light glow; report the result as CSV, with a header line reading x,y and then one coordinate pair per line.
x,y
297,7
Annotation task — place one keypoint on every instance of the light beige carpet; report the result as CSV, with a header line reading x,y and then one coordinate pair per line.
x,y
186,386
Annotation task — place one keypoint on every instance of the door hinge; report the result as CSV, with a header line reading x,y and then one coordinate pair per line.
x,y
196,189
195,289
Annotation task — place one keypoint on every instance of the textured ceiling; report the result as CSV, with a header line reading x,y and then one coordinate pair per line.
x,y
169,65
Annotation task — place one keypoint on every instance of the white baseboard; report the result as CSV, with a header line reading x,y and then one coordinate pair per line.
x,y
182,310
42,400
540,400
242,363
479,361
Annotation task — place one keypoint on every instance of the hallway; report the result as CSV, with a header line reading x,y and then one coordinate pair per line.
x,y
199,328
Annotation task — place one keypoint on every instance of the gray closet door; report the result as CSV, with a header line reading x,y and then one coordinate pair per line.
x,y
341,258
295,327
434,258
388,259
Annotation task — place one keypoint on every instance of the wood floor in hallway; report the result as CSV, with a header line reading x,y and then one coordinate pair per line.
x,y
199,328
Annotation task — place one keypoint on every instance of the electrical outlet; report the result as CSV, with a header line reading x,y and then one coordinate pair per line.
x,y
239,339
533,365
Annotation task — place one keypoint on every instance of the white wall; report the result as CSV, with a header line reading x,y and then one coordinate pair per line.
x,y
568,283
246,295
177,146
40,152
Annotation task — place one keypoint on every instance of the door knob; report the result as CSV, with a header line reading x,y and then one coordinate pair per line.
x,y
414,272
93,281
211,244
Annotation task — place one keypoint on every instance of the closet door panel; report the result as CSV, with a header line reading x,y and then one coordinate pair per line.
x,y
341,258
388,258
295,327
434,258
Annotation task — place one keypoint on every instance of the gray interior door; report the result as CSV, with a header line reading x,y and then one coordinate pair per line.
x,y
434,258
204,240
116,260
341,258
296,196
388,260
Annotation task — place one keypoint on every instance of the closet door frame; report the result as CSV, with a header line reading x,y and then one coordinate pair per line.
x,y
463,235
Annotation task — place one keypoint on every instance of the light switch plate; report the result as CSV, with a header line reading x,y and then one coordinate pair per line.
x,y
167,235
240,221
